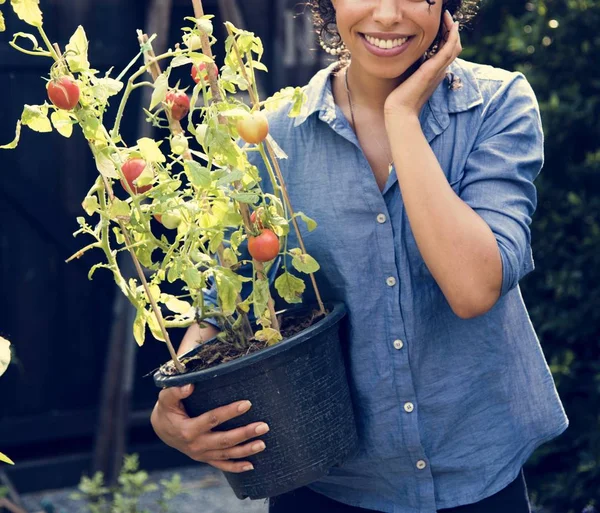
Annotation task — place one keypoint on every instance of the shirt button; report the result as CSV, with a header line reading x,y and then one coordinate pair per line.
x,y
381,218
421,464
409,407
398,344
391,281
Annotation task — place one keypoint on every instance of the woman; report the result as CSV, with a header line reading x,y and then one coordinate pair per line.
x,y
419,169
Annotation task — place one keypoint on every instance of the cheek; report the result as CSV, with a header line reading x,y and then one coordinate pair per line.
x,y
428,18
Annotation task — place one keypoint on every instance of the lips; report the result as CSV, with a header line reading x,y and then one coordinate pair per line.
x,y
386,45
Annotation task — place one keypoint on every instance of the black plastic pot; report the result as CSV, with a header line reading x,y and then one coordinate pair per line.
x,y
300,389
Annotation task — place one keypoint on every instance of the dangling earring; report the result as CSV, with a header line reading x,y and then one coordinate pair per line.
x,y
331,49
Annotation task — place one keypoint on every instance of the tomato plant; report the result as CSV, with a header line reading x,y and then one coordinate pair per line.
x,y
63,92
263,247
200,71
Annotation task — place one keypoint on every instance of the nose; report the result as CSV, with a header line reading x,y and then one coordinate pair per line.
x,y
387,12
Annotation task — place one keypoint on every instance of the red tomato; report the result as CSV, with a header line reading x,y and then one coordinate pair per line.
x,y
264,247
202,69
253,128
63,93
132,169
253,219
179,104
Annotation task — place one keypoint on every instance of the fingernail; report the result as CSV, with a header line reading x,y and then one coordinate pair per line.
x,y
258,446
261,429
245,406
186,389
248,467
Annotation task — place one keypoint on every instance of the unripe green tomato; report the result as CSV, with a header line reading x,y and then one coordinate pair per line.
x,y
179,144
205,26
193,42
201,133
171,220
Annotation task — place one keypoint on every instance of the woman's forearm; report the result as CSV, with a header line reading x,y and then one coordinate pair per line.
x,y
196,335
457,245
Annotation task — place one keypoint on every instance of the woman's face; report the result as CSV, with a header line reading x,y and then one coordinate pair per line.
x,y
385,37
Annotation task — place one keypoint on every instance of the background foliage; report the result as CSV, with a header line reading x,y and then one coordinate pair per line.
x,y
556,44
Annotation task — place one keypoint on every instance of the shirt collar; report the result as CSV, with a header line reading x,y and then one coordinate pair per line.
x,y
434,116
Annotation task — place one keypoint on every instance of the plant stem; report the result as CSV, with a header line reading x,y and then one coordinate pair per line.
x,y
262,275
255,101
40,53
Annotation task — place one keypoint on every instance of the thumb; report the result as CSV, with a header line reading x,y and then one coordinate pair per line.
x,y
170,397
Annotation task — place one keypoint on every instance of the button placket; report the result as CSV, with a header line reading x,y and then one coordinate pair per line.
x,y
391,281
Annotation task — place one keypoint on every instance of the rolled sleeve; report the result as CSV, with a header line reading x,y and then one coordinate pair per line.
x,y
499,173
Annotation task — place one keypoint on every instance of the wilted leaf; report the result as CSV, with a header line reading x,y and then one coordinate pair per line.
x,y
90,205
104,163
36,118
229,285
6,459
63,122
290,287
311,224
139,327
260,297
118,208
13,144
268,335
303,262
153,325
2,24
160,90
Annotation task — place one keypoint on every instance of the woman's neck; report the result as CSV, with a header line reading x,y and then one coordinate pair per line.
x,y
370,91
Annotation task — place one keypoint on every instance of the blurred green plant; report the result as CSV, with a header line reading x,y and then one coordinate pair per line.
x,y
556,44
133,483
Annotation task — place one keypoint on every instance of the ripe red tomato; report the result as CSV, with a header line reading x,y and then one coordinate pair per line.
x,y
63,92
253,128
264,247
179,103
253,219
132,169
201,71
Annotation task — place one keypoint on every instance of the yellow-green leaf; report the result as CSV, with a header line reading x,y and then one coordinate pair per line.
x,y
104,163
6,459
4,354
13,144
311,224
36,118
268,335
63,122
290,287
303,262
177,305
139,327
160,90
28,10
2,24
154,326
90,205
119,208
106,87
76,52
193,278
260,297
229,285
150,150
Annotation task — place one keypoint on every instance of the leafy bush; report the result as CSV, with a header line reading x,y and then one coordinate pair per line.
x,y
555,44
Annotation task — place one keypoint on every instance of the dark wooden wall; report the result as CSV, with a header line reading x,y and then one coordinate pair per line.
x,y
58,321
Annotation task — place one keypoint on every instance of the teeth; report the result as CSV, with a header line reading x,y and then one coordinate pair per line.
x,y
385,44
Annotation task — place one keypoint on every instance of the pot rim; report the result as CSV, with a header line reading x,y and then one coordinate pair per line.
x,y
163,381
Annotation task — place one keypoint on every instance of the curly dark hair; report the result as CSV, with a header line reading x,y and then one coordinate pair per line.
x,y
323,12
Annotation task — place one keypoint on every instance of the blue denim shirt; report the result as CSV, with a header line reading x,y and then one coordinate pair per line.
x,y
448,409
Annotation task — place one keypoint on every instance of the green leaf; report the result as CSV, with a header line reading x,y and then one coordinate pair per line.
x,y
160,90
118,208
229,285
28,11
139,327
245,197
31,37
150,150
6,459
176,305
63,122
76,51
198,175
311,224
36,118
231,177
13,144
260,297
303,262
290,287
90,205
106,87
4,355
193,278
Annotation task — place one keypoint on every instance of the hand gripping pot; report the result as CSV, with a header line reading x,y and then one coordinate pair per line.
x,y
300,389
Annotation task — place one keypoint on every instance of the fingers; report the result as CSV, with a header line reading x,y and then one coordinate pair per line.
x,y
170,398
236,467
235,453
233,437
452,46
214,418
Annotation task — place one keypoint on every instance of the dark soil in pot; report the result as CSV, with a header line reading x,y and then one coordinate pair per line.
x,y
299,387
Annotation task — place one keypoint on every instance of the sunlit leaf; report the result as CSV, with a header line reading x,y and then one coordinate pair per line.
x,y
28,11
76,51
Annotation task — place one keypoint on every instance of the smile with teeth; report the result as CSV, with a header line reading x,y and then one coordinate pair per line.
x,y
385,44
